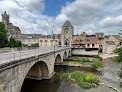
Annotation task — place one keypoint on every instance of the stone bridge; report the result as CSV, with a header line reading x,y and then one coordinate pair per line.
x,y
15,67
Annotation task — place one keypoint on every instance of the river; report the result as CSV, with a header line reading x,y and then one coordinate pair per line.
x,y
56,84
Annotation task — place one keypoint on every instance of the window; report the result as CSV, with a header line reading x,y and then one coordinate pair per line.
x,y
46,41
51,41
29,40
29,36
41,41
23,40
55,40
88,45
92,45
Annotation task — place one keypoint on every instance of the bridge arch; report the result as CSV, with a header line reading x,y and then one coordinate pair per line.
x,y
69,53
38,70
65,55
58,59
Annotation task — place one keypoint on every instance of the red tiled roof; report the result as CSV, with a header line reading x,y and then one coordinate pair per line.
x,y
116,36
101,33
92,40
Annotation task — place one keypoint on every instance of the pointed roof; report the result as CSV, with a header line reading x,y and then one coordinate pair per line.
x,y
67,24
5,12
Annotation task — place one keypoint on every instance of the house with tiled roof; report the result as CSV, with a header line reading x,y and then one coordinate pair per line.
x,y
84,44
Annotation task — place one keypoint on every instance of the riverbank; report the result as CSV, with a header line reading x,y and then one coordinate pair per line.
x,y
105,56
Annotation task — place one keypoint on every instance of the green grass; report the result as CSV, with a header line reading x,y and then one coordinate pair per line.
x,y
96,65
85,80
84,59
96,56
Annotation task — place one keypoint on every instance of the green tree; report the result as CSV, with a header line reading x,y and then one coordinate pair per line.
x,y
12,42
35,45
3,36
18,43
15,43
119,49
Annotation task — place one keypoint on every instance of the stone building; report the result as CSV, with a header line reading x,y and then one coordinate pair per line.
x,y
67,32
85,44
28,39
47,41
12,30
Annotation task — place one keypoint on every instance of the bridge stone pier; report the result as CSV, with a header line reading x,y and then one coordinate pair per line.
x,y
40,66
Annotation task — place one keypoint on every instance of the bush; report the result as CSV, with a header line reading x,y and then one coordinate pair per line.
x,y
85,79
97,56
96,64
120,73
66,76
92,79
58,74
120,84
85,85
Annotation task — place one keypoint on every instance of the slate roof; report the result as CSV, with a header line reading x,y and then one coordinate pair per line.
x,y
110,42
67,24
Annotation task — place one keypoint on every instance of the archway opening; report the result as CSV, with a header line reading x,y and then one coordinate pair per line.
x,y
67,43
37,72
100,49
65,55
58,59
69,54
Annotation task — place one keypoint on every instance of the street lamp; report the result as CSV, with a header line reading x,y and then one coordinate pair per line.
x,y
53,42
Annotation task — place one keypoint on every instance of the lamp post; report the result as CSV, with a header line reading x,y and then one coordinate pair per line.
x,y
53,42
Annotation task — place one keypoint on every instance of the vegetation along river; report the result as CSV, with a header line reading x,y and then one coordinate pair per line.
x,y
108,76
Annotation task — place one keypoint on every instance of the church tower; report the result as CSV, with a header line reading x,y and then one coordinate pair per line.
x,y
5,20
67,33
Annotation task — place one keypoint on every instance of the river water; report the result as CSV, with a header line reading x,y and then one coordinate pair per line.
x,y
56,84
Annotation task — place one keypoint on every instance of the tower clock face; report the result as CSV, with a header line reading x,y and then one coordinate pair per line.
x,y
66,33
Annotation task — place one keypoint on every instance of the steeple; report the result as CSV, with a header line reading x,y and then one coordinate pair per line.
x,y
67,24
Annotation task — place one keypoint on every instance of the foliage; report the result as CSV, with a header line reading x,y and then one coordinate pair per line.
x,y
96,64
84,59
3,36
66,76
84,79
119,50
34,45
18,43
85,85
58,74
15,43
120,84
97,56
120,73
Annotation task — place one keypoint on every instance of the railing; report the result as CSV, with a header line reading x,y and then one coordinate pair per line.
x,y
20,54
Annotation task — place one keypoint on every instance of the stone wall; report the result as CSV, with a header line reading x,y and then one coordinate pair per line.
x,y
84,52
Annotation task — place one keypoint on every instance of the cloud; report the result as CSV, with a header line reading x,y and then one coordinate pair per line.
x,y
35,6
85,15
110,22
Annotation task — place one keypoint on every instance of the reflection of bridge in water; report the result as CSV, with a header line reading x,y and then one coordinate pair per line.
x,y
35,64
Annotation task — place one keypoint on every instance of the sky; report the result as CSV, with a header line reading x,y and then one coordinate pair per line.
x,y
45,16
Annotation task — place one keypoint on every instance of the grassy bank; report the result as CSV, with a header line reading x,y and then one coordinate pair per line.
x,y
95,64
85,80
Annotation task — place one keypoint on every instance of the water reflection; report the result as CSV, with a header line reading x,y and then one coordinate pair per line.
x,y
54,85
